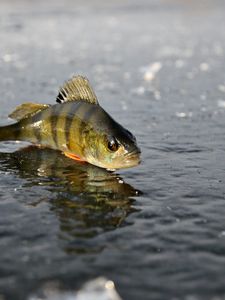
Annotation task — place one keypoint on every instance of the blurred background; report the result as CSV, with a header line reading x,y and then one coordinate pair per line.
x,y
158,230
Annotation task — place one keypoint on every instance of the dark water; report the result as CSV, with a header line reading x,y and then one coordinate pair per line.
x,y
158,230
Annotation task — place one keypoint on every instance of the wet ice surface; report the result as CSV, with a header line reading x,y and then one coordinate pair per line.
x,y
158,230
97,289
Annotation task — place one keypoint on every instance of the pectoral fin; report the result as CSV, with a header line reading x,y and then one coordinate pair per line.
x,y
26,110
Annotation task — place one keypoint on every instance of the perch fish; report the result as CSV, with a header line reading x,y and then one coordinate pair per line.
x,y
76,125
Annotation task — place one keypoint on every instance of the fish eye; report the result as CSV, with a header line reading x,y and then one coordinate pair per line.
x,y
113,145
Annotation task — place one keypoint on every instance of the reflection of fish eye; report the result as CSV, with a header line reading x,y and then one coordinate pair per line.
x,y
113,145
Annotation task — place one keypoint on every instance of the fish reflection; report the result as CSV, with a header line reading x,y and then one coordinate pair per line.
x,y
86,199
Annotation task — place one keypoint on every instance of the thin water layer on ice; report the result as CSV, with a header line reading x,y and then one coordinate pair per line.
x,y
97,289
157,231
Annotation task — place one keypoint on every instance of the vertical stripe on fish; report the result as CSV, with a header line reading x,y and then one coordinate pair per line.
x,y
61,119
74,107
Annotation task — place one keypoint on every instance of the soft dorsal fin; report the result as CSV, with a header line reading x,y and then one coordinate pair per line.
x,y
77,89
26,110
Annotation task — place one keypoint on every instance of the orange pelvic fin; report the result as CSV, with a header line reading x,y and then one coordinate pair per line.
x,y
73,156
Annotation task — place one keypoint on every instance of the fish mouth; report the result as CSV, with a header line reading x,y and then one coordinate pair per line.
x,y
133,158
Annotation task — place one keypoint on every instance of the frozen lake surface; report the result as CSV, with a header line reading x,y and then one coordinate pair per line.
x,y
157,230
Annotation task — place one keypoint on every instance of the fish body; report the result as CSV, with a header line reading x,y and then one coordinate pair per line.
x,y
77,126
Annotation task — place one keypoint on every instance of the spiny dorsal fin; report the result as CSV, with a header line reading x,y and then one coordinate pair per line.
x,y
26,110
77,89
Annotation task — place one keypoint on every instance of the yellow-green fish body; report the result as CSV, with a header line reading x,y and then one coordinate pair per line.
x,y
77,126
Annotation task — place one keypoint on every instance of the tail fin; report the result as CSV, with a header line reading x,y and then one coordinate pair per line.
x,y
9,133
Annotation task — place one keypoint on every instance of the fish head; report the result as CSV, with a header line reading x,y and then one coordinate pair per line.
x,y
114,148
